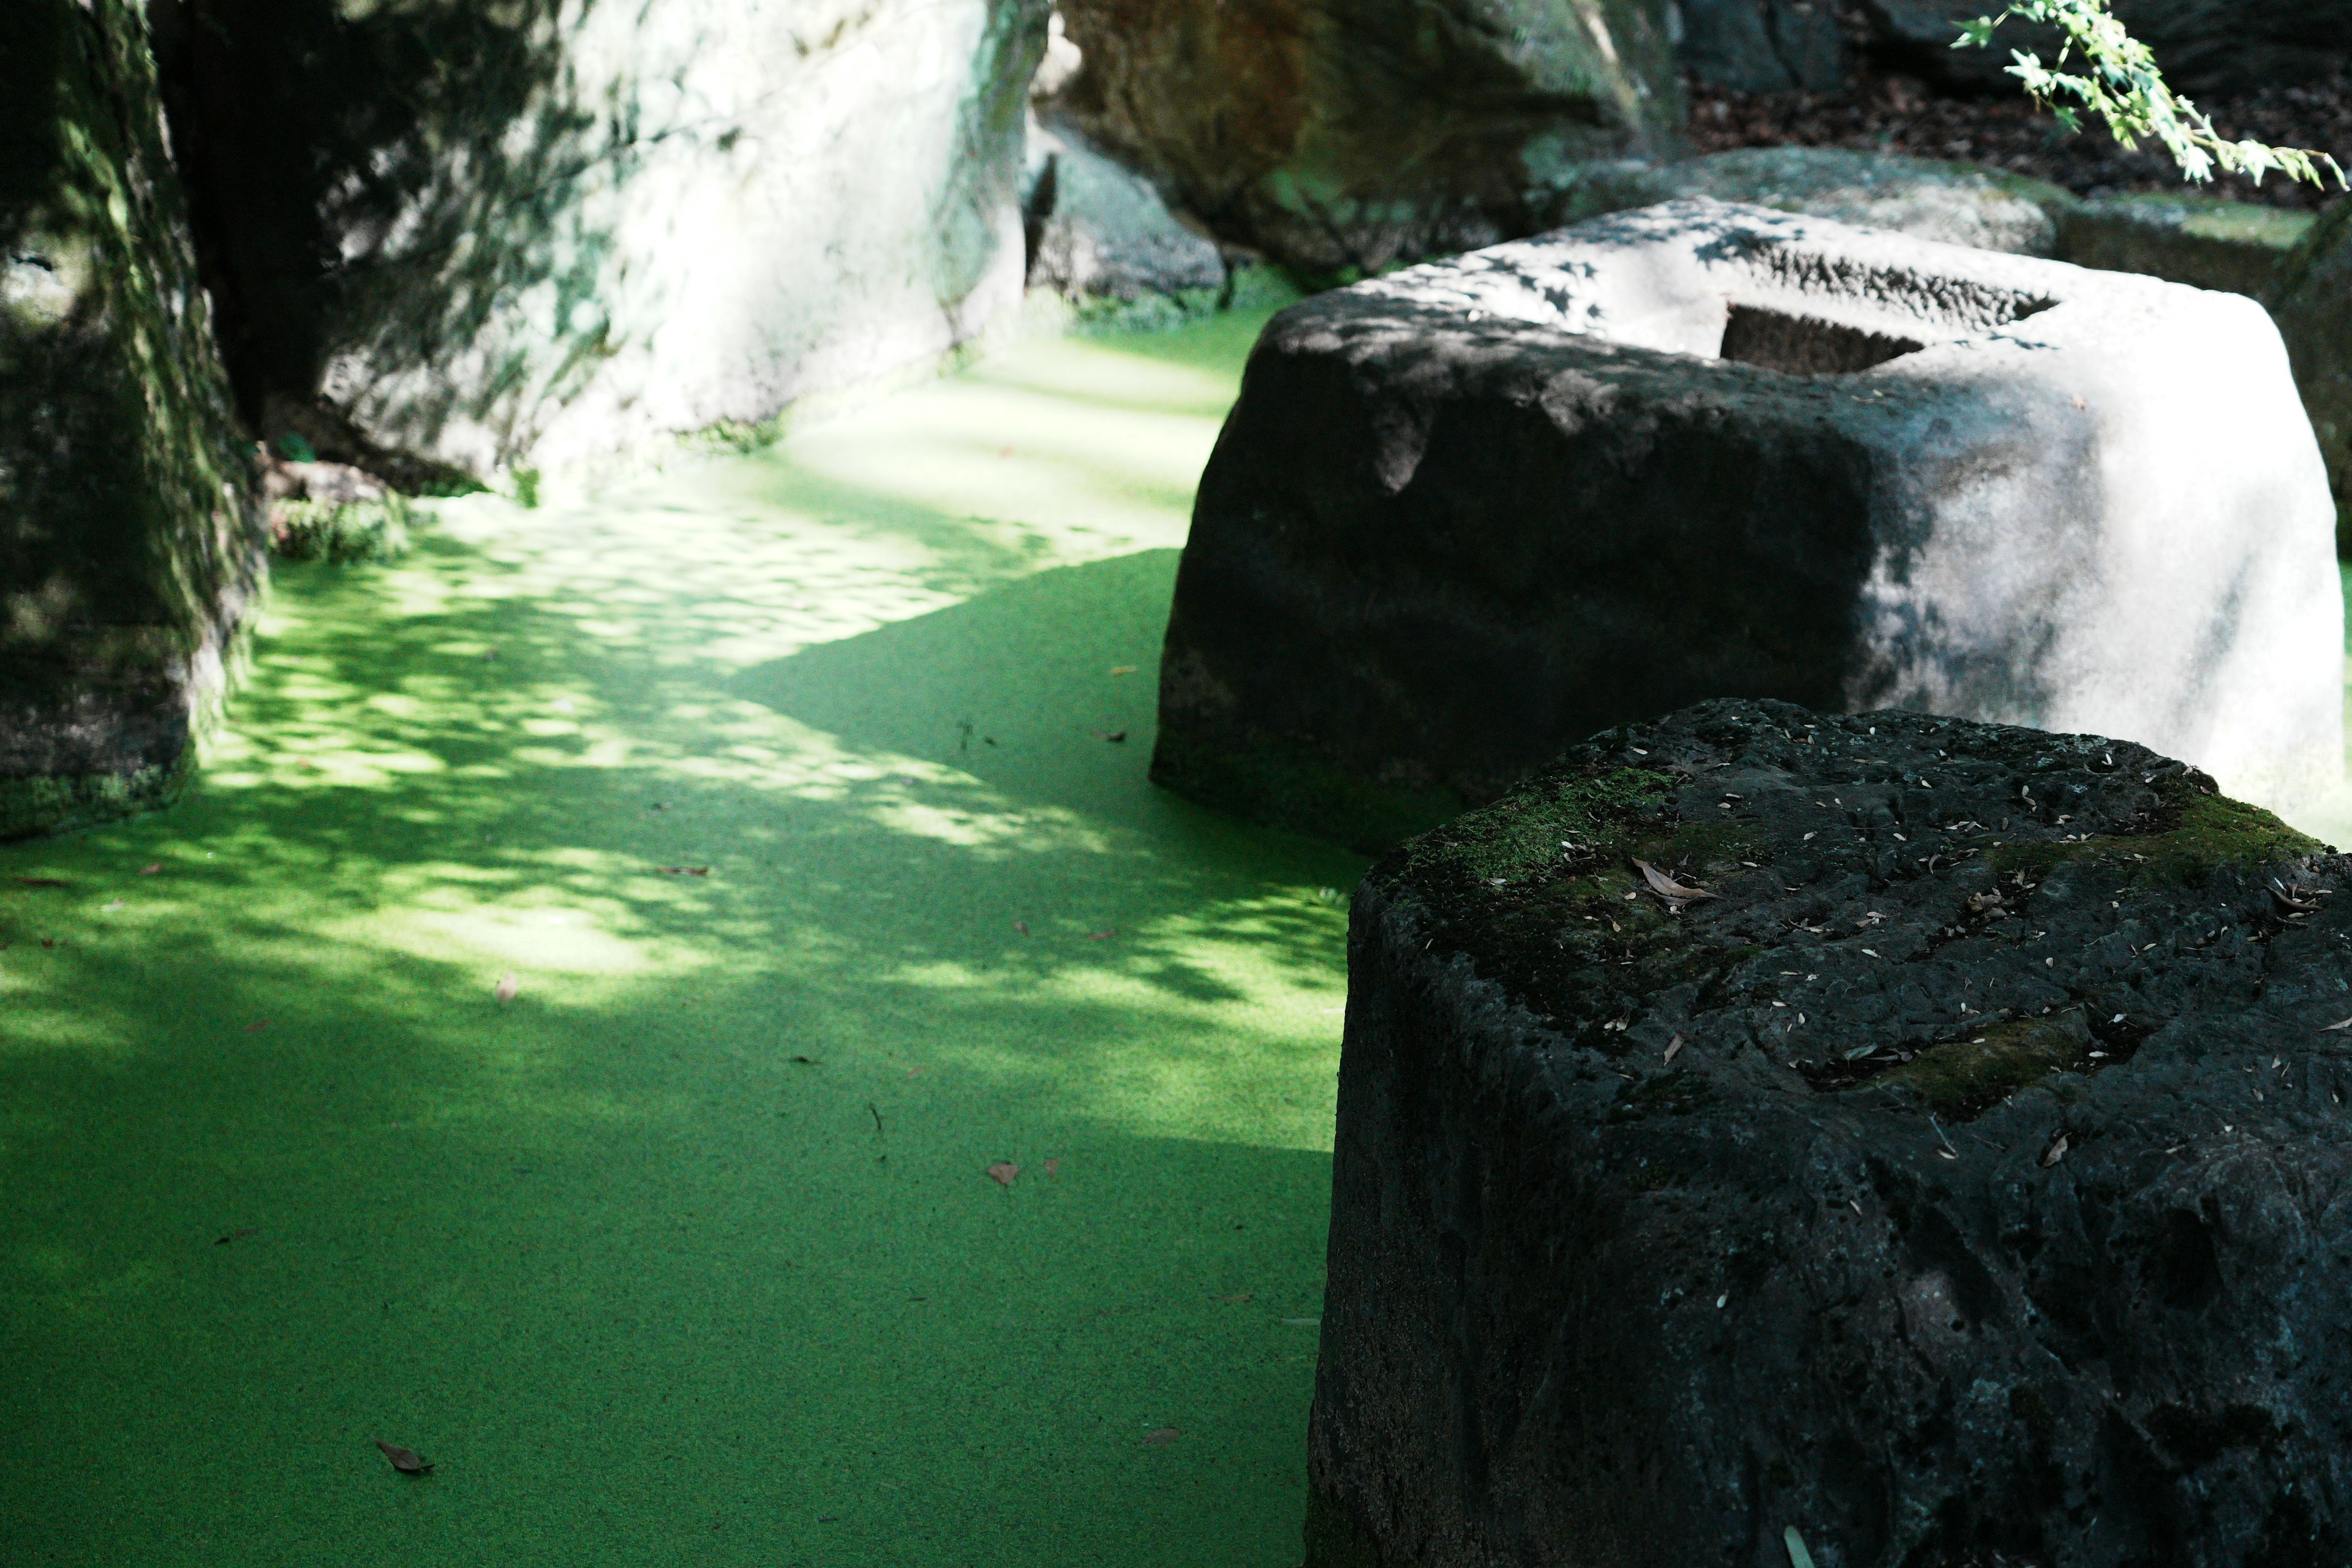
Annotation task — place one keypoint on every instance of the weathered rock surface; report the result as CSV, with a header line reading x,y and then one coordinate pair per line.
x,y
2184,239
1099,232
1340,134
1465,514
1955,203
1765,46
1969,1181
544,232
2313,303
128,546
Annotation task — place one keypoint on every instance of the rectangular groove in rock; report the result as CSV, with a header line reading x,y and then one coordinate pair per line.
x,y
1806,345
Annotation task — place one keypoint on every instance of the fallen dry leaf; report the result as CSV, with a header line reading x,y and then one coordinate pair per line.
x,y
237,1235
2057,1152
1002,1172
1160,1436
1666,886
405,1460
256,1025
1122,670
506,989
1054,1167
151,871
684,870
45,881
808,1061
2331,1028
1021,926
1102,935
1673,1048
1117,736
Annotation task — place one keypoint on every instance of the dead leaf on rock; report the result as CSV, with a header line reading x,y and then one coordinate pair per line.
x,y
507,989
2332,1028
1673,1048
2056,1153
1666,886
1160,1436
405,1460
1004,1172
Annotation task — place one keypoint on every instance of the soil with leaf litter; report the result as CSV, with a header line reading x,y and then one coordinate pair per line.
x,y
1954,1112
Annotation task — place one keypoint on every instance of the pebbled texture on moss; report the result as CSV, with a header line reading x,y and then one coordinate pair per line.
x,y
130,545
1971,1176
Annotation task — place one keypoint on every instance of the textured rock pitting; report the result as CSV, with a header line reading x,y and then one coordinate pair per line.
x,y
1967,1180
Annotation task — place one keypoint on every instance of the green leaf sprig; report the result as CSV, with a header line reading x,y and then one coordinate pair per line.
x,y
2115,76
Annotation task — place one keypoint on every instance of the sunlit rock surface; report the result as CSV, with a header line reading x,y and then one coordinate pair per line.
x,y
1338,134
130,548
1969,1181
544,232
1468,513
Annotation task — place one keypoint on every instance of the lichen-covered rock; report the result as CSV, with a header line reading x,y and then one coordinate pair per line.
x,y
2183,237
129,549
1927,198
1939,1150
2312,306
539,233
1344,135
1466,513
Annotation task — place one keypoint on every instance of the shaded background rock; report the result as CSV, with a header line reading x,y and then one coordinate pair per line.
x,y
1765,46
1465,513
1340,136
130,548
1955,203
544,232
1099,232
2313,303
1969,1182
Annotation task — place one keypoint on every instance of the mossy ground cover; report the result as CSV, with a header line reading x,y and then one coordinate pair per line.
x,y
787,788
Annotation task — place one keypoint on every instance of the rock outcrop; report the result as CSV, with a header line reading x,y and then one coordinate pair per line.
x,y
543,232
1925,1139
1340,136
1466,513
2184,238
129,546
2312,301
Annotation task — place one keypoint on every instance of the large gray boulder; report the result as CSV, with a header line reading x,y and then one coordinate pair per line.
x,y
2312,298
130,545
486,235
1967,1182
1344,135
1465,514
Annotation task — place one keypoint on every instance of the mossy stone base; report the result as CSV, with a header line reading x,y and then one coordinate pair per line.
x,y
33,807
1763,1119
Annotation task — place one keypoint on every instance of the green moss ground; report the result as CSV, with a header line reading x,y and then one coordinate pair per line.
x,y
643,1287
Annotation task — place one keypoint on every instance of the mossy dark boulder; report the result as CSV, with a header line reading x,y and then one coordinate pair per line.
x,y
130,545
1967,1181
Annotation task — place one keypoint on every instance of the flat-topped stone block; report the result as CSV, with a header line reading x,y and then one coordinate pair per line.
x,y
1469,514
1941,1150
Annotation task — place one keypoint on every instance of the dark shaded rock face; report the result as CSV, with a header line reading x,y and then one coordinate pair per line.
x,y
129,545
1468,513
1765,46
1969,1182
2313,304
1347,134
455,235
